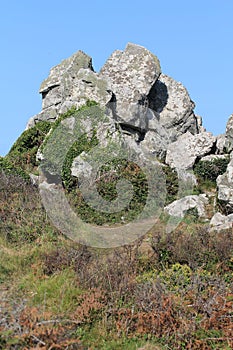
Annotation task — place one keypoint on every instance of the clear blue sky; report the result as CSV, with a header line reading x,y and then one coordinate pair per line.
x,y
192,39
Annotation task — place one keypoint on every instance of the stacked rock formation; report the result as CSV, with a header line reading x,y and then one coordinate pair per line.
x,y
131,85
154,113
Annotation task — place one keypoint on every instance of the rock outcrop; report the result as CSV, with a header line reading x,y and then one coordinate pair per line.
x,y
130,85
146,111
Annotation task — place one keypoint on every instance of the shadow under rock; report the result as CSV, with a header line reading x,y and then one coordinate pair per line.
x,y
158,96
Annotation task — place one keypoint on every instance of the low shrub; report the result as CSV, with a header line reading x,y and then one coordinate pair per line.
x,y
172,184
23,153
210,170
23,219
195,246
7,168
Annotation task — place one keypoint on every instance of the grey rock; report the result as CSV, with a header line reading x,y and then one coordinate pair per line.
x,y
67,69
222,144
156,141
221,222
87,85
229,133
34,179
199,124
131,74
151,107
183,153
212,157
80,166
179,207
71,83
49,114
171,101
225,187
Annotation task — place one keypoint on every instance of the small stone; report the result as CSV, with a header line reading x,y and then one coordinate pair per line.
x,y
221,222
179,207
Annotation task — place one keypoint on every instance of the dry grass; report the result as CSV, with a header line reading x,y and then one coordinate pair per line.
x,y
58,295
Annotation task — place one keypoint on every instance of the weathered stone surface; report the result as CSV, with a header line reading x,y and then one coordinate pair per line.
x,y
199,124
224,142
221,222
156,142
221,144
225,187
71,83
179,207
229,133
183,153
87,86
68,68
152,107
171,101
49,114
212,157
131,74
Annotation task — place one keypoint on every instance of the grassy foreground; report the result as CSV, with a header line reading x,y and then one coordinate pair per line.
x,y
167,291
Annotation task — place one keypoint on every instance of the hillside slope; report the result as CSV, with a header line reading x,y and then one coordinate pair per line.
x,y
164,278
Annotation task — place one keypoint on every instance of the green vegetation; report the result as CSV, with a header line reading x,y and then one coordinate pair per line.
x,y
208,171
106,184
172,184
168,290
60,158
23,152
8,168
56,293
84,144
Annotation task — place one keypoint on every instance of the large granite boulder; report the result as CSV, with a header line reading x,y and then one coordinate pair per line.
x,y
131,74
67,68
173,106
225,187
